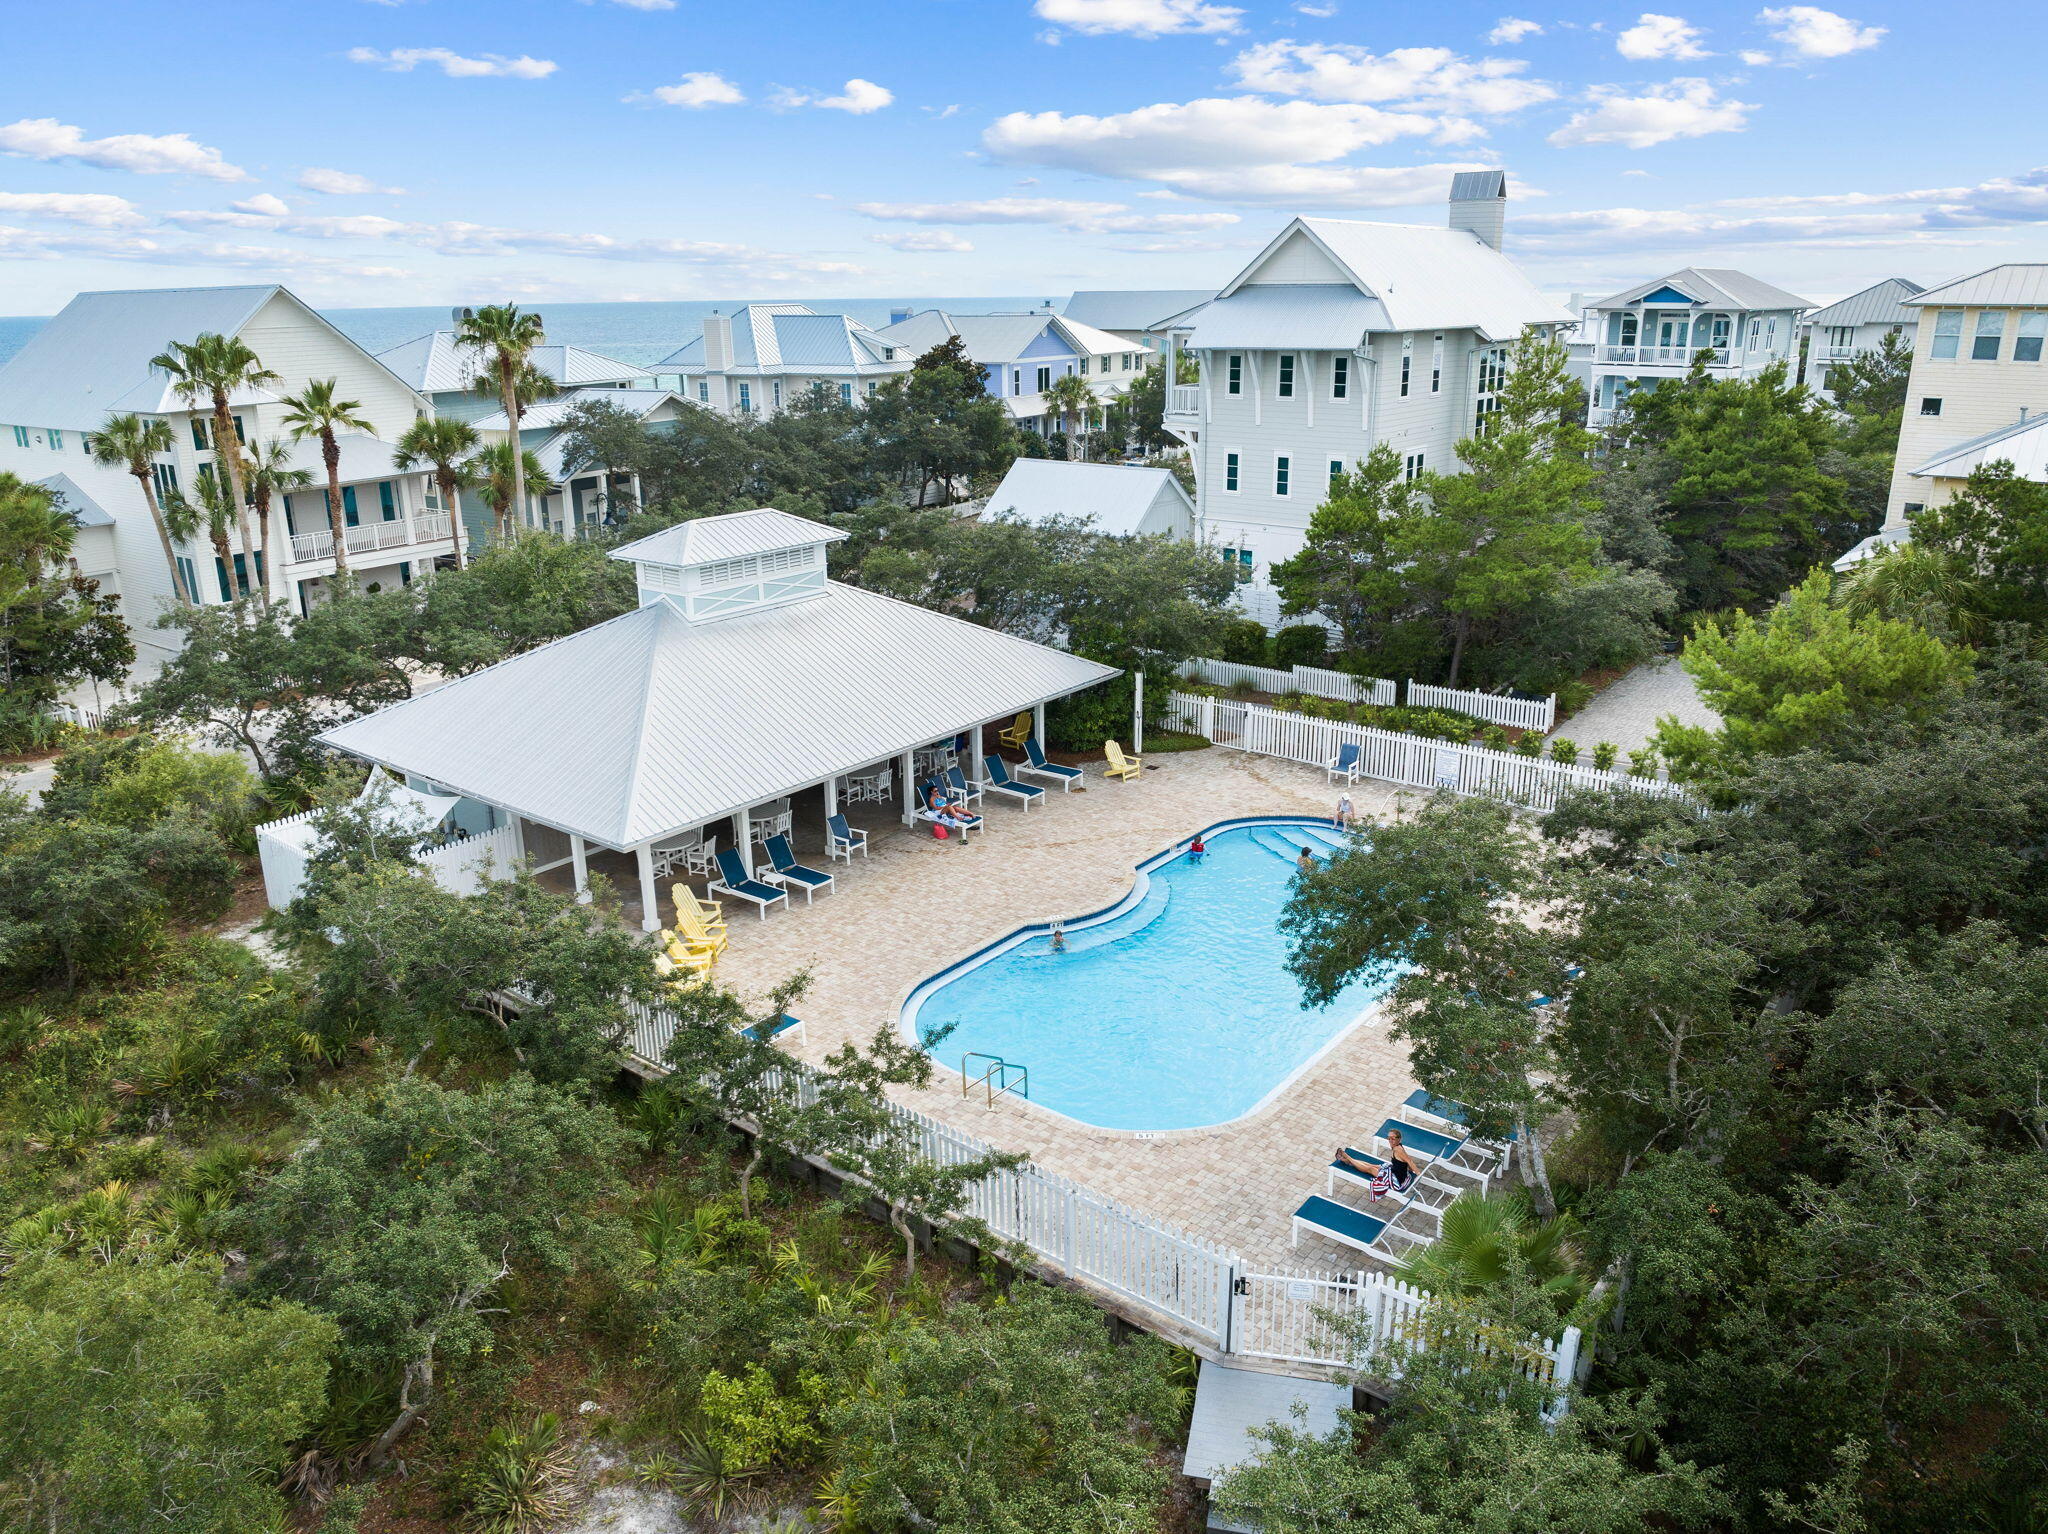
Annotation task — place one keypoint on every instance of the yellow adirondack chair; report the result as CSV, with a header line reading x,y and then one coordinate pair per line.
x,y
690,922
1120,766
694,967
709,913
1016,732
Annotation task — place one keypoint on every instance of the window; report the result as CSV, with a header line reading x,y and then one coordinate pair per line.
x,y
2026,346
1340,377
1336,469
1755,330
188,577
1286,387
85,445
1412,466
1930,407
1841,337
386,501
846,394
56,440
166,477
1130,361
1720,332
775,394
1407,362
1016,380
21,436
1242,559
871,388
1084,367
1436,366
1280,475
1235,371
1230,471
1948,333
348,507
704,390
1044,379
1625,331
201,438
1990,335
746,399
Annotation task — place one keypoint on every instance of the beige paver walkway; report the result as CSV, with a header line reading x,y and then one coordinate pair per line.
x,y
916,904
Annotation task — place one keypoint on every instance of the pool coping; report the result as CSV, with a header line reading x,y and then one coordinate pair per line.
x,y
1141,886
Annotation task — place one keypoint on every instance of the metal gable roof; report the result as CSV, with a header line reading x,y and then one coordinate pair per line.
x,y
1086,338
1114,497
1716,287
1131,309
729,535
1314,316
649,724
437,364
1879,304
987,337
2016,282
85,511
2023,444
92,358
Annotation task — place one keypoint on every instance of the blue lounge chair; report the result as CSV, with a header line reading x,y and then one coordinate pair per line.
x,y
1447,1152
1345,764
842,841
925,811
734,879
1000,782
791,872
964,792
1039,767
783,1024
1370,1234
1426,1194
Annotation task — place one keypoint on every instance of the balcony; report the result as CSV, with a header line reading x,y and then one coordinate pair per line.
x,y
1184,399
427,527
1662,356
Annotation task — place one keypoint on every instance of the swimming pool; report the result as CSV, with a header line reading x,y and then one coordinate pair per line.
x,y
1171,1010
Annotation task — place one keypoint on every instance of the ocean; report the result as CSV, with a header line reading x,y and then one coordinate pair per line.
x,y
637,333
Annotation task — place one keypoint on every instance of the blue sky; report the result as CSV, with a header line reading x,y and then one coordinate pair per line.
x,y
432,151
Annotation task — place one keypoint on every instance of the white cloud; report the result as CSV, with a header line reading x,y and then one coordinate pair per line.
x,y
265,204
922,240
1139,18
698,88
1297,187
456,65
1812,33
858,97
1684,108
343,183
88,210
146,154
1510,30
647,5
1429,79
30,245
1756,56
1066,213
1660,37
1318,11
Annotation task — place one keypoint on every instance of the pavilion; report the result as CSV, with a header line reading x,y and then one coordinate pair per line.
x,y
744,677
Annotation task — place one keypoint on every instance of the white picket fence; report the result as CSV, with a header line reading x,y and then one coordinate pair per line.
x,y
1537,714
1313,680
1386,756
462,866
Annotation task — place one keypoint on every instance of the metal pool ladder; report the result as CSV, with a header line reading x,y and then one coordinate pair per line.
x,y
995,1078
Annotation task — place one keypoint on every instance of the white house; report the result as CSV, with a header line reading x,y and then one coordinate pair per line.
x,y
746,684
1120,499
1979,387
589,497
1338,337
1858,324
447,372
1655,330
92,360
1132,315
1021,354
762,358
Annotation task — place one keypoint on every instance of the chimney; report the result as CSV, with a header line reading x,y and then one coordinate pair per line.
x,y
1479,202
717,342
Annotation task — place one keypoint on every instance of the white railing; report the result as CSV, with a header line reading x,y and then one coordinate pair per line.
x,y
1536,714
1412,761
372,536
1663,355
1078,1232
1313,680
1184,399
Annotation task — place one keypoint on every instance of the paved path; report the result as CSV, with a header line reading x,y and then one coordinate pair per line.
x,y
1627,712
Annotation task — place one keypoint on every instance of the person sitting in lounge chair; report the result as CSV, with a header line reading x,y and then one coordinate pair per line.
x,y
1394,1176
944,812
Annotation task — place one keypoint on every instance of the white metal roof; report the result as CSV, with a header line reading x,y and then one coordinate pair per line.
x,y
85,511
771,339
2023,444
729,535
1131,309
987,337
1314,316
1086,338
437,364
1716,287
2018,282
650,724
1882,303
362,458
1114,497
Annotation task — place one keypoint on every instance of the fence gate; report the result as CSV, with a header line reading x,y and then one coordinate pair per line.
x,y
1227,722
1287,1317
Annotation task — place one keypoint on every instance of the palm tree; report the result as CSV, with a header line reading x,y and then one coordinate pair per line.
x,y
442,446
132,443
271,475
1927,586
1485,1240
315,412
208,369
1073,399
507,339
211,515
500,476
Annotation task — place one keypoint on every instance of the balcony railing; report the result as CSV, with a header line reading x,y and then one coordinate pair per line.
x,y
371,536
1837,353
1663,355
1184,399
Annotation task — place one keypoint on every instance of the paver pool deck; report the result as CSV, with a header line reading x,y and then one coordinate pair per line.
x,y
915,905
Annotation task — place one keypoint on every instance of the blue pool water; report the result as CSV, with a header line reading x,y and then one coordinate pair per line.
x,y
1173,1013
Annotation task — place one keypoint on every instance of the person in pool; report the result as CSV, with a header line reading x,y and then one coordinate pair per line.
x,y
1197,849
1306,863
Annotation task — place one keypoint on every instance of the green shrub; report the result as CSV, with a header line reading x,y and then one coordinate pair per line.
x,y
1643,763
1604,755
752,1424
1494,737
1301,644
1530,744
1571,697
1245,641
1565,751
520,1479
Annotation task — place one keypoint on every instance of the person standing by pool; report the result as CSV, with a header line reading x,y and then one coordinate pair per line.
x,y
1344,812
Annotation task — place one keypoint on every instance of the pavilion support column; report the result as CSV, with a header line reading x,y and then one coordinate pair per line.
x,y
1038,725
581,861
1137,712
831,806
907,790
650,905
742,836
